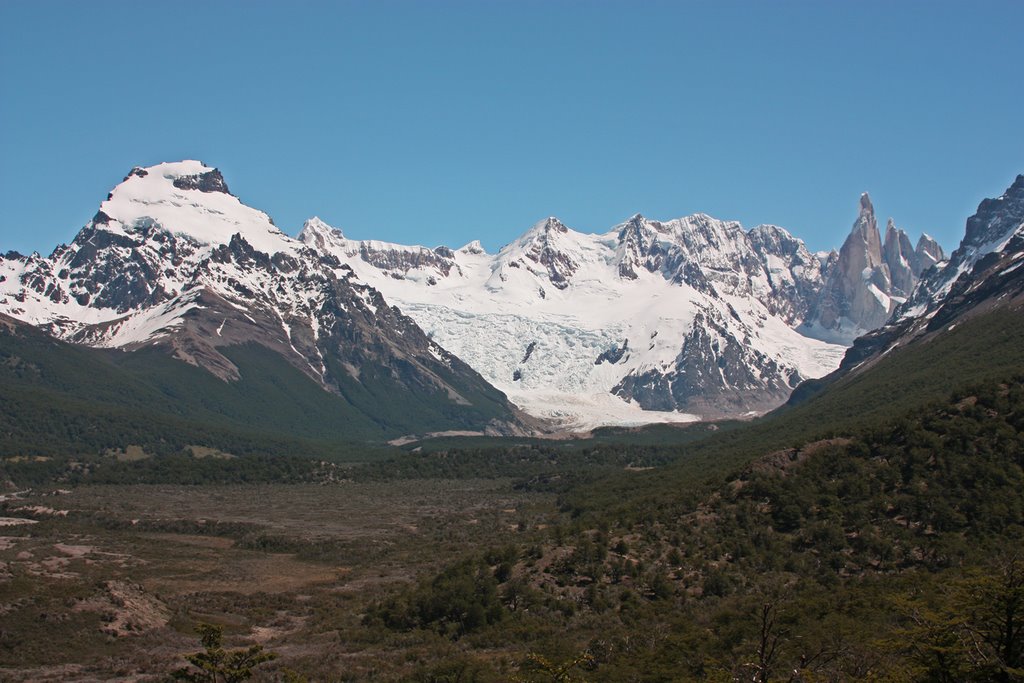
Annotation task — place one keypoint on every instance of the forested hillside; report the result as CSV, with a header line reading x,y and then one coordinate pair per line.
x,y
887,554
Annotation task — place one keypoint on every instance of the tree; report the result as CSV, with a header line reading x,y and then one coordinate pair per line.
x,y
974,629
993,630
768,643
217,665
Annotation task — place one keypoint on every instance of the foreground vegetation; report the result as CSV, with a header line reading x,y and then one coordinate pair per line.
x,y
890,553
851,537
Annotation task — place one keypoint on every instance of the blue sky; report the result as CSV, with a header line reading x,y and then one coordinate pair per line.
x,y
441,122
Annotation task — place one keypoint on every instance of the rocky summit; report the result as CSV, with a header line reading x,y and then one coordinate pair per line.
x,y
868,278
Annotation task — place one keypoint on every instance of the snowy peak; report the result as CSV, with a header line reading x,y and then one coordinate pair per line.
x,y
319,235
997,225
548,225
187,199
173,170
639,246
688,249
188,175
317,225
868,278
995,220
928,252
771,240
474,247
549,250
145,244
183,175
706,231
549,233
692,315
718,257
793,275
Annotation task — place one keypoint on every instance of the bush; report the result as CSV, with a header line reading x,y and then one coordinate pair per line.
x,y
461,599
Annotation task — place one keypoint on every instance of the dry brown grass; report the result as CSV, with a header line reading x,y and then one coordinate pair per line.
x,y
113,589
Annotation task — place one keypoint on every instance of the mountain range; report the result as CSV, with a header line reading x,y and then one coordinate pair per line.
x,y
651,321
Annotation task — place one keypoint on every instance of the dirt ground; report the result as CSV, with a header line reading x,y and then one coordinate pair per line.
x,y
108,583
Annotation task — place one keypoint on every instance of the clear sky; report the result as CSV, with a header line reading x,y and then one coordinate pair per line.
x,y
439,122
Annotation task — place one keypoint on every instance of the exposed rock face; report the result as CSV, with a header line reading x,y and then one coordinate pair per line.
x,y
613,355
721,347
868,279
712,356
928,253
711,309
995,221
857,289
794,274
529,351
540,251
124,272
901,261
994,228
211,181
397,260
719,257
640,246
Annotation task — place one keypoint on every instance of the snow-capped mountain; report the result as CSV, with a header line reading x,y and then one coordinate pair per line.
x,y
984,273
650,321
868,278
996,228
172,259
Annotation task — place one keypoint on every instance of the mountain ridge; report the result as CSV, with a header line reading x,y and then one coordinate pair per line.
x,y
651,321
468,294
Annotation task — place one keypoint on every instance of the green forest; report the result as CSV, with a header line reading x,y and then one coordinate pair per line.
x,y
889,554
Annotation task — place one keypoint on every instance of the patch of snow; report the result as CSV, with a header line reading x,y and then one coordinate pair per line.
x,y
147,324
1010,269
881,296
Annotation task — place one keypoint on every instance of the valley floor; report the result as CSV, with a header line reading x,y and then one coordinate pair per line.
x,y
109,582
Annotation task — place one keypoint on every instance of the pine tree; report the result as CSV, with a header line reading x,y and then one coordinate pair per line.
x,y
217,665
